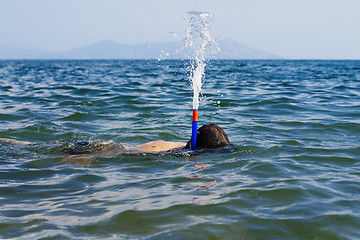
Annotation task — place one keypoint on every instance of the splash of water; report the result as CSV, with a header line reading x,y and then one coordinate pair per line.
x,y
198,39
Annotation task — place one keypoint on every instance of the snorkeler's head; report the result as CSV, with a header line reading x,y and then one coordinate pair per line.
x,y
211,137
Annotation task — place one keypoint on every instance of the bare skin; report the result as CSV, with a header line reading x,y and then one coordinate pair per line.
x,y
15,142
159,146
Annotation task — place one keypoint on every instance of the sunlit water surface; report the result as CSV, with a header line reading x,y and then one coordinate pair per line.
x,y
294,174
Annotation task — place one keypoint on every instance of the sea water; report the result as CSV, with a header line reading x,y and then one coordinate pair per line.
x,y
294,174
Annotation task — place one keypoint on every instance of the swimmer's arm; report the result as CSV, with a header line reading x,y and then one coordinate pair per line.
x,y
160,146
15,142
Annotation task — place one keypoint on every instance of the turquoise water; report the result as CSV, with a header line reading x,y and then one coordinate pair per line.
x,y
295,173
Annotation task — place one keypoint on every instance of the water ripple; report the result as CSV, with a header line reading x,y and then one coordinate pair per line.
x,y
295,172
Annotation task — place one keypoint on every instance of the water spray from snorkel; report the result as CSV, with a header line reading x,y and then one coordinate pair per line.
x,y
198,38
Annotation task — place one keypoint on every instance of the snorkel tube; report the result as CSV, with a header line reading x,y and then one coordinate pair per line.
x,y
194,129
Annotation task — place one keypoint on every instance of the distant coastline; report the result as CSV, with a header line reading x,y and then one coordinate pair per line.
x,y
108,49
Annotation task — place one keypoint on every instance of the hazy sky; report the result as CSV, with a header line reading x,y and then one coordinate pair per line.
x,y
287,28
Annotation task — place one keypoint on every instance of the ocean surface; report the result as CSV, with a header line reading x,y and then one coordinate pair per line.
x,y
294,174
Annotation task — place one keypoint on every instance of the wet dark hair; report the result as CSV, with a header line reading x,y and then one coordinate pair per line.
x,y
210,137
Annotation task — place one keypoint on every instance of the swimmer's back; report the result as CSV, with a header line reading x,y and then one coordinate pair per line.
x,y
160,146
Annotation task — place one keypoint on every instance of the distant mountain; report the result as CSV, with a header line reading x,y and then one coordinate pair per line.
x,y
12,52
111,50
230,49
108,49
